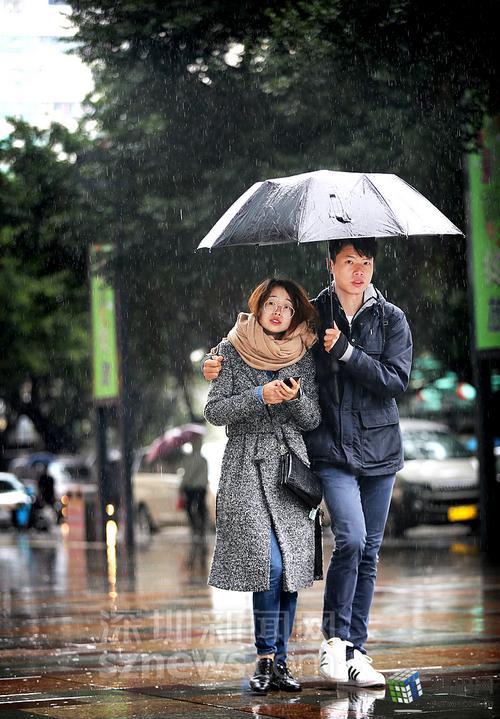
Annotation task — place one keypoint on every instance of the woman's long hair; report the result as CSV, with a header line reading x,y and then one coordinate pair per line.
x,y
304,310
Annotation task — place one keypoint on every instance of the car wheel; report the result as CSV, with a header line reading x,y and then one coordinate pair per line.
x,y
144,524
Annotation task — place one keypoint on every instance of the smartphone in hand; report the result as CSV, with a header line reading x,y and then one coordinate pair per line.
x,y
288,381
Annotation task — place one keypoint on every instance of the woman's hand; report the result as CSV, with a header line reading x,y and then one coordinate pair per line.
x,y
277,391
290,392
271,392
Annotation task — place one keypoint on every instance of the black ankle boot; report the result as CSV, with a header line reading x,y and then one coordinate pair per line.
x,y
260,683
283,680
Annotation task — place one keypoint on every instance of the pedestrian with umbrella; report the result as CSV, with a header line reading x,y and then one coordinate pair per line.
x,y
194,471
363,363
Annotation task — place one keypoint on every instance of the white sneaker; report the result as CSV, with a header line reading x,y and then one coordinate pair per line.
x,y
361,673
332,659
335,709
362,702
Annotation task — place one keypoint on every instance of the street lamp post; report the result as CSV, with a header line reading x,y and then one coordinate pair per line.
x,y
124,406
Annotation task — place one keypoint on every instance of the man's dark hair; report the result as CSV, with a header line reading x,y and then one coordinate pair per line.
x,y
366,247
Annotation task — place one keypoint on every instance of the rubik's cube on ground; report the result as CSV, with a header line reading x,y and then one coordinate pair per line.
x,y
404,687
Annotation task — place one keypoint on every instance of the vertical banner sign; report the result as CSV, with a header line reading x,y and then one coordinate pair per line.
x,y
104,340
484,217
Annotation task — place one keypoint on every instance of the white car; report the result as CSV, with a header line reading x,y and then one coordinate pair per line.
x,y
68,471
156,488
439,483
156,493
13,496
72,475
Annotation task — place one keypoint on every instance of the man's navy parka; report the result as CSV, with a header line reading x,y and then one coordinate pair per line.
x,y
361,433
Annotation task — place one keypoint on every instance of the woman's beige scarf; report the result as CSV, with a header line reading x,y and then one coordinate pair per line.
x,y
263,351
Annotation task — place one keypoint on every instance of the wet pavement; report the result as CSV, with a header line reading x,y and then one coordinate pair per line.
x,y
88,633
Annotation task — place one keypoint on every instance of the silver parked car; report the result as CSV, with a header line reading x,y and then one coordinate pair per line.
x,y
156,488
439,483
156,492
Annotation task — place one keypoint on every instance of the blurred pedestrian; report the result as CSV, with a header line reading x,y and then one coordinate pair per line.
x,y
264,535
194,488
46,489
44,512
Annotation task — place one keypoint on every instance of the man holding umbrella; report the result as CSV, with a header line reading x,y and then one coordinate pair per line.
x,y
357,449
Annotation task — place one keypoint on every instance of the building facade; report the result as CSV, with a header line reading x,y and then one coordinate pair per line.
x,y
39,81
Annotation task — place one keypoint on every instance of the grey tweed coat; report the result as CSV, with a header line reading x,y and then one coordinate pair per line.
x,y
249,498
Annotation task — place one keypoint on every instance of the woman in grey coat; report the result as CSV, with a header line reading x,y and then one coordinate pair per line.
x,y
264,535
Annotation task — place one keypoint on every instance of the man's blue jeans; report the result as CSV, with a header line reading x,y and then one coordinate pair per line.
x,y
274,610
358,508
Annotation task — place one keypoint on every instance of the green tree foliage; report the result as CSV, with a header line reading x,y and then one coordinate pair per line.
x,y
43,297
174,146
196,101
395,87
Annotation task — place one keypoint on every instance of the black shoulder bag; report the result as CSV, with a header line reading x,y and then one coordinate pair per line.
x,y
299,479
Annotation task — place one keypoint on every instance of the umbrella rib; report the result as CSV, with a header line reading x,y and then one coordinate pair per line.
x,y
302,209
385,202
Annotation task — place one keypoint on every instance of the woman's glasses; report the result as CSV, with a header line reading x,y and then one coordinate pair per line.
x,y
286,309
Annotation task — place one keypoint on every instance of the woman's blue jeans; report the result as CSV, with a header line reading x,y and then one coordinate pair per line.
x,y
274,610
358,508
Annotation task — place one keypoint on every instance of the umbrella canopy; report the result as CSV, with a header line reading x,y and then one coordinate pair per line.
x,y
327,205
173,439
31,460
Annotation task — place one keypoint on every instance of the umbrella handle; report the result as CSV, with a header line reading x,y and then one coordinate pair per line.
x,y
334,368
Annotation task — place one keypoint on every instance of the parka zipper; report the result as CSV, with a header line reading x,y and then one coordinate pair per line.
x,y
350,325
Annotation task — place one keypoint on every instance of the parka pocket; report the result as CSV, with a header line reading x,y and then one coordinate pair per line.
x,y
372,347
371,342
381,436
